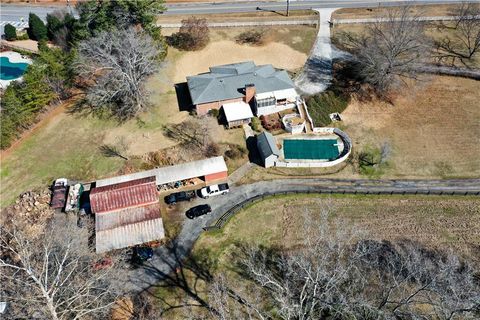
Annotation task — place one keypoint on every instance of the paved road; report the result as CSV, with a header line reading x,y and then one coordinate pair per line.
x,y
167,259
15,13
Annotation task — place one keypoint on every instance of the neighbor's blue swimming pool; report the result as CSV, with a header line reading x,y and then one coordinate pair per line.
x,y
11,70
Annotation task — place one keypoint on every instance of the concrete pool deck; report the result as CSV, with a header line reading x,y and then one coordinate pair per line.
x,y
13,57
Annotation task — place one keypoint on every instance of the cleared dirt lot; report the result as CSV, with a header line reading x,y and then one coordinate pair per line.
x,y
436,222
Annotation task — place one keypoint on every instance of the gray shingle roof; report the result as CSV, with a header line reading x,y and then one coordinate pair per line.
x,y
228,81
266,145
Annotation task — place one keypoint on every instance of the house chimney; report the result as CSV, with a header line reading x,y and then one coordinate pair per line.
x,y
249,92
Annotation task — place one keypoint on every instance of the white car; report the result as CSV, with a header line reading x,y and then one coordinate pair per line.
x,y
214,190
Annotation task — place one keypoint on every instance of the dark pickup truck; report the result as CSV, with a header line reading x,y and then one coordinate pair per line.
x,y
180,196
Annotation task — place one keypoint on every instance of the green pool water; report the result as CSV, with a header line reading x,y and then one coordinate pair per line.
x,y
11,70
311,149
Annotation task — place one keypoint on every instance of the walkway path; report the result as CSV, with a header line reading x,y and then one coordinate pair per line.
x,y
317,72
167,258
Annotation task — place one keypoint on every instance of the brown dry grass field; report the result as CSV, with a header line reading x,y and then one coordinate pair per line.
x,y
433,129
67,145
424,10
435,222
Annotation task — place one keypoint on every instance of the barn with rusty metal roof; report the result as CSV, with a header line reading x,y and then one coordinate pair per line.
x,y
126,214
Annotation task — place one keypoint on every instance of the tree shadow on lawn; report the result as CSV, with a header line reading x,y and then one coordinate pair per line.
x,y
183,97
191,275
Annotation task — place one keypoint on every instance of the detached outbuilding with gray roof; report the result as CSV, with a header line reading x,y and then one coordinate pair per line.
x,y
243,81
267,148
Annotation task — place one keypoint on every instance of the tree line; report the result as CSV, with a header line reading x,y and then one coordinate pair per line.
x,y
106,53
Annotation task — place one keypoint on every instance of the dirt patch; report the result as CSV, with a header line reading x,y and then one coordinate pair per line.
x,y
223,52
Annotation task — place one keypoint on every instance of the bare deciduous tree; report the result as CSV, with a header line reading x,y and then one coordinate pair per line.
x,y
461,40
118,62
194,135
389,49
52,276
328,277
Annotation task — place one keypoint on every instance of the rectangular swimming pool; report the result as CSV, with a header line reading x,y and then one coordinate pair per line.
x,y
310,149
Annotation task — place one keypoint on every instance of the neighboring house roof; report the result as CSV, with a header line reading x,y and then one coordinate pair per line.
x,y
266,145
237,111
228,81
123,195
174,173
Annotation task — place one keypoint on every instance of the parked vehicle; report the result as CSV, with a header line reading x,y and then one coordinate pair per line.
x,y
214,190
59,193
141,254
73,198
198,211
180,196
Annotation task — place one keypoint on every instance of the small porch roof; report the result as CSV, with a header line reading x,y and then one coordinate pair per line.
x,y
235,111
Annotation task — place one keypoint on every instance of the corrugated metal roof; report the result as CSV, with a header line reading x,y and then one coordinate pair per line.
x,y
172,173
266,145
122,185
123,195
129,235
226,81
118,218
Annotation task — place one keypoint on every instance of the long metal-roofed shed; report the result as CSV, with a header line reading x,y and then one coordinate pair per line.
x,y
267,147
211,170
126,214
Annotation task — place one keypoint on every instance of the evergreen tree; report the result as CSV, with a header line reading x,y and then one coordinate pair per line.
x,y
36,28
10,32
53,25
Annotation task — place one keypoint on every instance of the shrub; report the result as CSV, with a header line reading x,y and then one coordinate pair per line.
x,y
256,125
23,36
322,105
214,113
372,161
10,32
252,37
36,28
211,150
235,152
193,35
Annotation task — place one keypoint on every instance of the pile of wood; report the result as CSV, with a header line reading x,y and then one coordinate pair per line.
x,y
30,212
